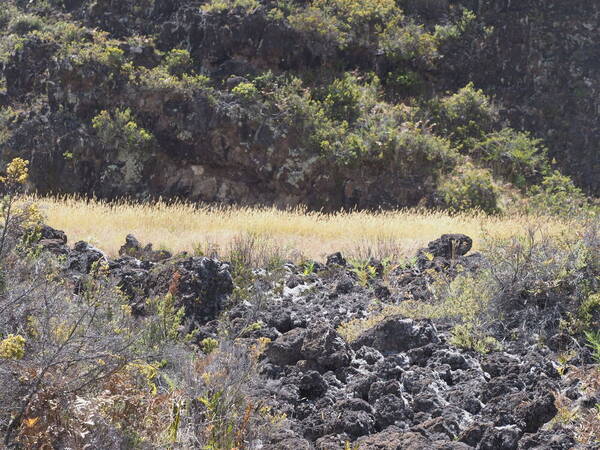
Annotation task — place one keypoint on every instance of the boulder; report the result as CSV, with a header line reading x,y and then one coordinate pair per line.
x,y
286,349
398,334
83,256
324,349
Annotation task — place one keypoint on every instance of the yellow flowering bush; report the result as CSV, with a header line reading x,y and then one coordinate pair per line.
x,y
13,347
17,172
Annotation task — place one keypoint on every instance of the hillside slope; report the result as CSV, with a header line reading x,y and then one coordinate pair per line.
x,y
325,103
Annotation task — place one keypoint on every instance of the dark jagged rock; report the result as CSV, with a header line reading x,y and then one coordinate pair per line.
x,y
325,349
50,233
450,246
83,257
401,384
132,247
336,259
398,334
286,348
201,286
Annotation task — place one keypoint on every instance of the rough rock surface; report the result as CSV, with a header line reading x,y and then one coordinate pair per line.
x,y
210,154
399,385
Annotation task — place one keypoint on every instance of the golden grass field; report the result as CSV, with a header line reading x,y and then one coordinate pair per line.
x,y
183,227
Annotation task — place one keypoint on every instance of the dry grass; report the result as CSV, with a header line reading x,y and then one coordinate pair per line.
x,y
181,227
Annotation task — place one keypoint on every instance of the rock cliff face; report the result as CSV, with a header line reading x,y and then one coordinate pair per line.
x,y
542,62
538,59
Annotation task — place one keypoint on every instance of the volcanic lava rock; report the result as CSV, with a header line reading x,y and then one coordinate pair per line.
x,y
132,247
286,349
83,256
398,334
325,349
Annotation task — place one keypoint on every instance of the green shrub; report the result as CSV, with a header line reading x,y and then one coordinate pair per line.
x,y
159,78
209,345
348,124
514,155
536,273
12,347
408,43
469,188
587,316
178,62
345,21
455,30
558,195
7,12
219,6
593,342
312,23
163,321
121,135
99,50
118,130
245,90
7,115
342,99
471,337
465,117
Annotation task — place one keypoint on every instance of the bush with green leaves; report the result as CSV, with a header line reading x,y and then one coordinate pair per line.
x,y
221,6
6,14
469,188
513,155
472,336
537,280
23,24
341,99
349,124
160,78
456,29
119,133
95,47
558,195
466,117
119,130
408,44
178,62
245,90
345,22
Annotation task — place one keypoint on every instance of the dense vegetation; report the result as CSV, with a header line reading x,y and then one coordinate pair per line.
x,y
327,103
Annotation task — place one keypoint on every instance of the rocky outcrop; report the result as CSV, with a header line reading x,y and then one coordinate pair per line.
x,y
400,384
200,285
539,61
536,58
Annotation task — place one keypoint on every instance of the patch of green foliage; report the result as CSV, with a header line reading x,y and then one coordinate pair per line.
x,y
558,195
469,188
349,124
513,155
593,342
470,336
221,6
343,22
119,130
466,117
178,62
99,50
23,24
245,90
